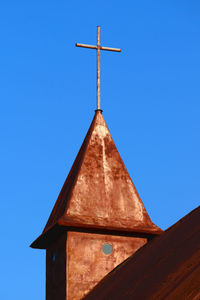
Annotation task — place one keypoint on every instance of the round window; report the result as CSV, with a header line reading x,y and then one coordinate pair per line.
x,y
107,249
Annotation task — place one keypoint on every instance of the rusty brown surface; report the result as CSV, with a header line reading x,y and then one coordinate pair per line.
x,y
56,269
168,267
98,192
86,262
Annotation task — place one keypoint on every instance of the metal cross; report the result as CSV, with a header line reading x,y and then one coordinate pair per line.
x,y
98,47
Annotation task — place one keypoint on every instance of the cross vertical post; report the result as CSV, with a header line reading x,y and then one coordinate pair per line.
x,y
98,67
98,47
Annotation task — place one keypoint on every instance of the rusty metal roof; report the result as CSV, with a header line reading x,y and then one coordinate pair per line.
x,y
168,267
98,192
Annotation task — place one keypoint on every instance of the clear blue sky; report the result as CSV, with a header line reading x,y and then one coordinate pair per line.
x,y
151,103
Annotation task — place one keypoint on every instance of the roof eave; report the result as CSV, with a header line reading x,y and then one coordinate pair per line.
x,y
48,237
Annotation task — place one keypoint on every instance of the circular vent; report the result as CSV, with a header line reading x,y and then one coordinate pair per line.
x,y
107,249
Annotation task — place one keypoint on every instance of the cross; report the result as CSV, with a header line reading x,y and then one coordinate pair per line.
x,y
98,47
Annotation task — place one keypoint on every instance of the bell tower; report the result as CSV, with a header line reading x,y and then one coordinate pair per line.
x,y
98,219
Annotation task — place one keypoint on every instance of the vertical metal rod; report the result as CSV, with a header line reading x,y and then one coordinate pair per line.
x,y
98,67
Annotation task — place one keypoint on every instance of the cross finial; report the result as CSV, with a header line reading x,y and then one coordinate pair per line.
x,y
98,47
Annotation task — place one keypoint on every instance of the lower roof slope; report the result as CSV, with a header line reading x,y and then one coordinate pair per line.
x,y
168,267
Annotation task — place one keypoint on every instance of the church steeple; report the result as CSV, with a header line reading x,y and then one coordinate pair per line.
x,y
98,219
98,208
98,192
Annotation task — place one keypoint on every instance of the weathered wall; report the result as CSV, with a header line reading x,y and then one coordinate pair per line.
x,y
86,262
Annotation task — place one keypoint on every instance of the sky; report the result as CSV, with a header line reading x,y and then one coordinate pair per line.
x,y
150,99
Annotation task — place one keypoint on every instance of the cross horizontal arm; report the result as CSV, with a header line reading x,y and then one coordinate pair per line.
x,y
86,46
95,47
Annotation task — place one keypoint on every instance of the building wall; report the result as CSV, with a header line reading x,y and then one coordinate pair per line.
x,y
56,270
87,264
75,262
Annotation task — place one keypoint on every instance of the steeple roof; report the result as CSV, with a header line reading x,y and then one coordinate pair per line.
x,y
98,192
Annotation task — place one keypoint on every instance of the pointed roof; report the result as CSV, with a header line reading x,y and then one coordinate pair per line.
x,y
98,192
